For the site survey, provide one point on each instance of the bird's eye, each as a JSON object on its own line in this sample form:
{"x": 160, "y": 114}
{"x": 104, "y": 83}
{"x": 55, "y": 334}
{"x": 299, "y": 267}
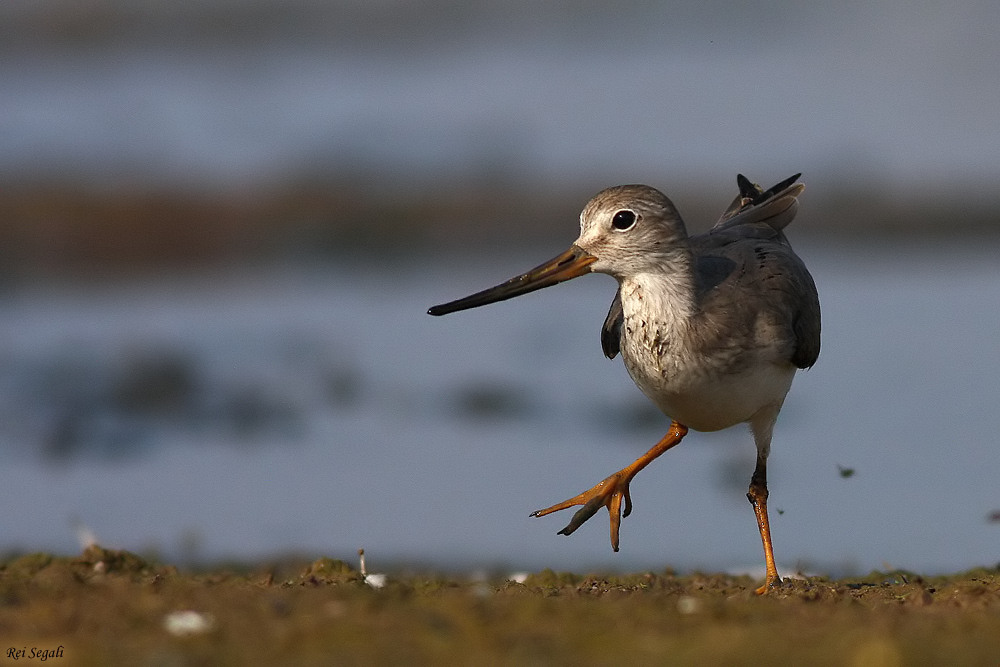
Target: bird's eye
{"x": 623, "y": 220}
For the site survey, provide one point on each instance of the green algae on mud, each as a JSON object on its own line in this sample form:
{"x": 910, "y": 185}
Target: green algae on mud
{"x": 113, "y": 607}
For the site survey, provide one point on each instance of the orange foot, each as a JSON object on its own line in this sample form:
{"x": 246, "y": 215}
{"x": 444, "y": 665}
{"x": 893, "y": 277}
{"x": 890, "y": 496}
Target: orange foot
{"x": 770, "y": 584}
{"x": 610, "y": 493}
{"x": 614, "y": 490}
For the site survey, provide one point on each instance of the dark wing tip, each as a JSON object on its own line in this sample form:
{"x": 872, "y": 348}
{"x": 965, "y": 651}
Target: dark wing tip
{"x": 611, "y": 331}
{"x": 756, "y": 194}
{"x": 784, "y": 184}
{"x": 748, "y": 189}
{"x": 775, "y": 189}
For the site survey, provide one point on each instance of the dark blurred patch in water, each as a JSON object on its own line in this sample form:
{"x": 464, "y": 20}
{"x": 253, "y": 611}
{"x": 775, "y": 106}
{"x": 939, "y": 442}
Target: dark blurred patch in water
{"x": 344, "y": 387}
{"x": 157, "y": 384}
{"x": 487, "y": 401}
{"x": 83, "y": 404}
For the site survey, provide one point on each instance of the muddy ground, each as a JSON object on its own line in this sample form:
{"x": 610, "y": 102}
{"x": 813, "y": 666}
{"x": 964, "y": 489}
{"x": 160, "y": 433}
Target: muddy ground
{"x": 113, "y": 607}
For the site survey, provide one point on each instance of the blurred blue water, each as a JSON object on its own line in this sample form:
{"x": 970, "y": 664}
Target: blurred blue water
{"x": 318, "y": 410}
{"x": 217, "y": 94}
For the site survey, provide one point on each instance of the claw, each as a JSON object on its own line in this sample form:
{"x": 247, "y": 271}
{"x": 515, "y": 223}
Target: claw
{"x": 614, "y": 512}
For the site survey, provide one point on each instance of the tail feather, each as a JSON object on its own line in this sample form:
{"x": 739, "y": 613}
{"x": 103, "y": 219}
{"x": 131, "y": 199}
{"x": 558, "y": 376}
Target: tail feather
{"x": 775, "y": 206}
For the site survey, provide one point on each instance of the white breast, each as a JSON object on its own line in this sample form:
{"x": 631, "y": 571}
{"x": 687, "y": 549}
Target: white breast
{"x": 705, "y": 393}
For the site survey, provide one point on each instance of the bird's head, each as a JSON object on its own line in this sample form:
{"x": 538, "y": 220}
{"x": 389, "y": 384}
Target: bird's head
{"x": 624, "y": 230}
{"x": 630, "y": 229}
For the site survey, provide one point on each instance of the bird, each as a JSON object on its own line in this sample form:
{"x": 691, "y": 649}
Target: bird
{"x": 711, "y": 327}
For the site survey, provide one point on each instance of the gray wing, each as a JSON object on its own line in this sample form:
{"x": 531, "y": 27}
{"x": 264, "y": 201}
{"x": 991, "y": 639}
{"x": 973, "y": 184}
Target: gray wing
{"x": 611, "y": 331}
{"x": 746, "y": 261}
{"x": 751, "y": 280}
{"x": 807, "y": 330}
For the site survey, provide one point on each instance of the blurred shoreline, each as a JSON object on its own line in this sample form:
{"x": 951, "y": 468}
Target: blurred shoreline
{"x": 66, "y": 229}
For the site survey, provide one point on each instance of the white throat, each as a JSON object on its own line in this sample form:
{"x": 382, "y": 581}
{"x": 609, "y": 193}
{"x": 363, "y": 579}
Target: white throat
{"x": 664, "y": 297}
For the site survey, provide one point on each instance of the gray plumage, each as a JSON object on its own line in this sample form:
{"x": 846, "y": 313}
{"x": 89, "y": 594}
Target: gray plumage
{"x": 747, "y": 252}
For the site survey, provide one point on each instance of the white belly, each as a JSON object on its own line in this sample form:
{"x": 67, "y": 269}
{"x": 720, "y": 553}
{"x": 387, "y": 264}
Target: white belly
{"x": 708, "y": 402}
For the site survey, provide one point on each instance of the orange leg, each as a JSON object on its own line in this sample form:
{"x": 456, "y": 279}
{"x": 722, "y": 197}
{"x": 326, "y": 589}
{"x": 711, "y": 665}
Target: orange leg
{"x": 614, "y": 489}
{"x": 757, "y": 495}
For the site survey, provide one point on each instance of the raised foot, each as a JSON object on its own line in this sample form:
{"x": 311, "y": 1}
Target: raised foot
{"x": 610, "y": 493}
{"x": 613, "y": 491}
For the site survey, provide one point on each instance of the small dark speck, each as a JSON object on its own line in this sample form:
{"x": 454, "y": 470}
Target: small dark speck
{"x": 845, "y": 472}
{"x": 781, "y": 512}
{"x": 994, "y": 516}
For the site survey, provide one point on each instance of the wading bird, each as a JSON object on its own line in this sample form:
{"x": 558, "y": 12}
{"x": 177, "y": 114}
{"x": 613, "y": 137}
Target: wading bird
{"x": 711, "y": 327}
